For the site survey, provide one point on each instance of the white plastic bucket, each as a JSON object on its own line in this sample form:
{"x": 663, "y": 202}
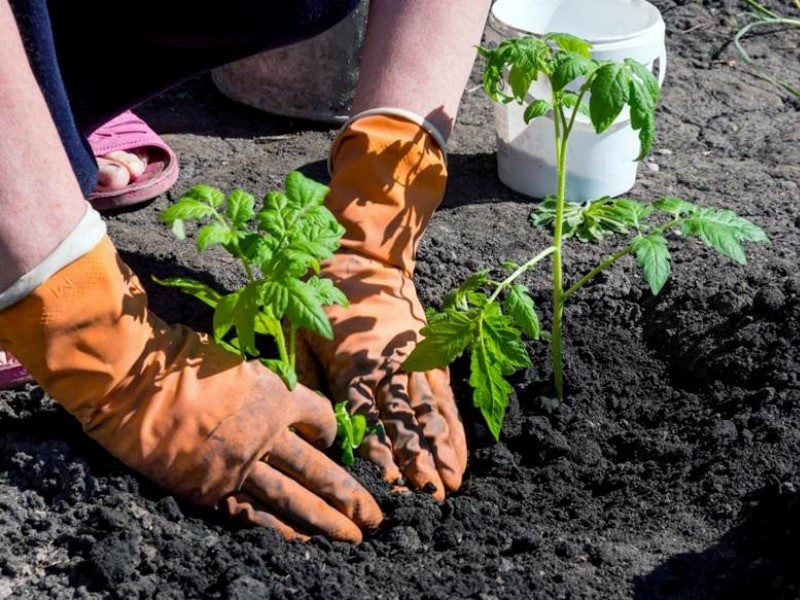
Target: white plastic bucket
{"x": 597, "y": 165}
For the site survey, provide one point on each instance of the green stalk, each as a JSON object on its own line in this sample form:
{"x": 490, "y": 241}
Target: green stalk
{"x": 292, "y": 345}
{"x": 556, "y": 346}
{"x": 520, "y": 270}
{"x": 614, "y": 258}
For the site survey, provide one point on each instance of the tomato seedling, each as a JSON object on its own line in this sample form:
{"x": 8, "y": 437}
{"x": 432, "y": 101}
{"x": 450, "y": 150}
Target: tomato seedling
{"x": 489, "y": 317}
{"x": 279, "y": 248}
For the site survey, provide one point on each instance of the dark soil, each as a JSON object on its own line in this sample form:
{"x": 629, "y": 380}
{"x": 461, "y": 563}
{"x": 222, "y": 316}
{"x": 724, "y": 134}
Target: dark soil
{"x": 673, "y": 471}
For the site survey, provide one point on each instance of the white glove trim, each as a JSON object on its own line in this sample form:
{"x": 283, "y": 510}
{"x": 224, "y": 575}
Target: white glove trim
{"x": 86, "y": 235}
{"x": 394, "y": 112}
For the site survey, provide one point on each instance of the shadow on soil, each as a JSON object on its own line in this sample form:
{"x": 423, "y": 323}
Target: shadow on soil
{"x": 756, "y": 559}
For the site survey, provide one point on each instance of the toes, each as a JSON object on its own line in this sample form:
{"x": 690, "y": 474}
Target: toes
{"x": 112, "y": 176}
{"x": 135, "y": 163}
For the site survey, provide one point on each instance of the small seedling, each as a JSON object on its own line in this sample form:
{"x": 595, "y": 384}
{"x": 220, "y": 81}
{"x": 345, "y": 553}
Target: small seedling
{"x": 761, "y": 16}
{"x": 489, "y": 316}
{"x": 279, "y": 248}
{"x": 351, "y": 431}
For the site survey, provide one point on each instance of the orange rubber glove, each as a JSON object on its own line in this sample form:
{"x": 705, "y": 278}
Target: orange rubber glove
{"x": 388, "y": 177}
{"x": 176, "y": 407}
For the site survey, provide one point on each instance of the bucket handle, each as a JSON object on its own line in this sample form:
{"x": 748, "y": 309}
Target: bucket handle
{"x": 662, "y": 67}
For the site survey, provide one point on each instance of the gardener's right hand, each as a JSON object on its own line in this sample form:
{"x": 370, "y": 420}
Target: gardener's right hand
{"x": 173, "y": 405}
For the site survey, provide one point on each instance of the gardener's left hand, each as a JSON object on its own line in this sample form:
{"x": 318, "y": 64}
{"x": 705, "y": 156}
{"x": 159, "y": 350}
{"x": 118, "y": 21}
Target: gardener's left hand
{"x": 388, "y": 177}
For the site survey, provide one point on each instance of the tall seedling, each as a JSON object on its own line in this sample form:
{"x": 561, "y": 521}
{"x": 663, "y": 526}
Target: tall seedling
{"x": 490, "y": 316}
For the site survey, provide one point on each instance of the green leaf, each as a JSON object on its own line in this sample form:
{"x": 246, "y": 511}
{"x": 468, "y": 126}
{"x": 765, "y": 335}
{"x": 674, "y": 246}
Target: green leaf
{"x": 520, "y": 306}
{"x": 186, "y": 208}
{"x": 240, "y": 207}
{"x": 223, "y": 315}
{"x": 257, "y": 248}
{"x": 211, "y": 234}
{"x": 610, "y": 90}
{"x": 504, "y": 340}
{"x": 723, "y": 230}
{"x": 538, "y": 108}
{"x": 675, "y": 206}
{"x": 350, "y": 431}
{"x": 642, "y": 116}
{"x": 327, "y": 292}
{"x": 304, "y": 192}
{"x": 520, "y": 78}
{"x": 178, "y": 229}
{"x": 304, "y": 310}
{"x": 567, "y": 68}
{"x": 652, "y": 254}
{"x": 570, "y": 99}
{"x": 492, "y": 391}
{"x": 445, "y": 339}
{"x": 284, "y": 371}
{"x": 457, "y": 298}
{"x": 571, "y": 43}
{"x": 359, "y": 429}
{"x": 639, "y": 71}
{"x": 275, "y": 296}
{"x": 201, "y": 291}
{"x": 206, "y": 194}
{"x": 244, "y": 317}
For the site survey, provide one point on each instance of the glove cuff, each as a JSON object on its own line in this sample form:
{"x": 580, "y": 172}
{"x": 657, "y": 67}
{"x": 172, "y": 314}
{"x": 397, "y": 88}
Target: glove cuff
{"x": 86, "y": 235}
{"x": 388, "y": 175}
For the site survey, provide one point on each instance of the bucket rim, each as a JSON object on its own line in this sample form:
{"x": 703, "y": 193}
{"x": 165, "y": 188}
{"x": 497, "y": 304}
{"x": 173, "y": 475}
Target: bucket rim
{"x": 508, "y": 30}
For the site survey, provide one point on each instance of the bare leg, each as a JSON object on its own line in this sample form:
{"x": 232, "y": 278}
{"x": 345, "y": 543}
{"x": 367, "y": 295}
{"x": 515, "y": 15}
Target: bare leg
{"x": 418, "y": 56}
{"x": 37, "y": 212}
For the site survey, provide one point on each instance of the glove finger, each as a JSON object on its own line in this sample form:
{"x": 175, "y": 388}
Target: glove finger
{"x": 326, "y": 479}
{"x": 439, "y": 382}
{"x": 290, "y": 500}
{"x": 376, "y": 447}
{"x": 312, "y": 417}
{"x": 408, "y": 440}
{"x": 436, "y": 430}
{"x": 244, "y": 509}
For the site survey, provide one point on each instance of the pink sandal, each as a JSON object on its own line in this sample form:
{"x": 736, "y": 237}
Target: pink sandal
{"x": 125, "y": 132}
{"x": 12, "y": 374}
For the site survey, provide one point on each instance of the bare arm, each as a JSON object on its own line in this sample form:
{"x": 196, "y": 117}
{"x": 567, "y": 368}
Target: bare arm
{"x": 40, "y": 200}
{"x": 418, "y": 56}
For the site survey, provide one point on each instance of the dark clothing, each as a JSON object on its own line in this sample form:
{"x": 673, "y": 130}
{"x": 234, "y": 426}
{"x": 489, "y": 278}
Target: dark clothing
{"x": 94, "y": 60}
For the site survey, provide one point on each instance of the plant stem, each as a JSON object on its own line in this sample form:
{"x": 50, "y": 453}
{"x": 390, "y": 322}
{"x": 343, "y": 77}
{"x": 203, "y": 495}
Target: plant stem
{"x": 522, "y": 269}
{"x": 615, "y": 257}
{"x": 292, "y": 345}
{"x": 558, "y": 238}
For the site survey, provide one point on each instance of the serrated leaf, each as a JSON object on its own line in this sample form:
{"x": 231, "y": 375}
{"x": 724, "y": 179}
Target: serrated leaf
{"x": 275, "y": 295}
{"x": 538, "y": 108}
{"x": 610, "y": 90}
{"x": 504, "y": 340}
{"x": 445, "y": 339}
{"x": 723, "y": 230}
{"x": 455, "y": 298}
{"x": 284, "y": 371}
{"x": 642, "y": 116}
{"x": 244, "y": 317}
{"x": 302, "y": 191}
{"x": 207, "y": 195}
{"x": 186, "y": 208}
{"x": 567, "y": 68}
{"x": 240, "y": 207}
{"x": 571, "y": 43}
{"x": 520, "y": 306}
{"x": 304, "y": 310}
{"x": 652, "y": 254}
{"x": 211, "y": 234}
{"x": 327, "y": 292}
{"x": 201, "y": 291}
{"x": 675, "y": 206}
{"x": 257, "y": 248}
{"x": 491, "y": 390}
{"x": 520, "y": 78}
{"x": 639, "y": 71}
{"x": 223, "y": 320}
{"x": 271, "y": 220}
